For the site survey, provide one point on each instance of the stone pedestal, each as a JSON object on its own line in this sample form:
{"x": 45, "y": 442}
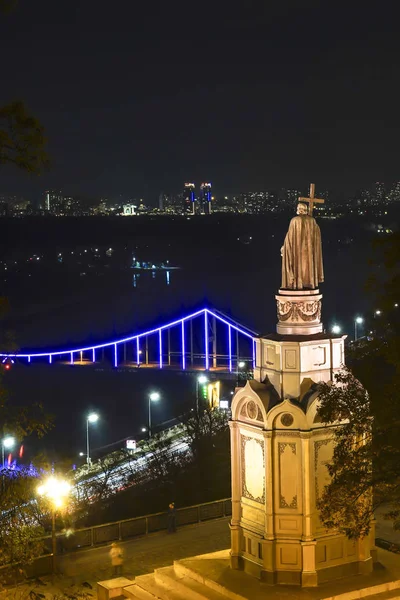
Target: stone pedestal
{"x": 299, "y": 312}
{"x": 279, "y": 450}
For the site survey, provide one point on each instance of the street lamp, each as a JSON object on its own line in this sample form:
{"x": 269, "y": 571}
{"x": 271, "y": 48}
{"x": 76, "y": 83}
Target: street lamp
{"x": 153, "y": 397}
{"x": 91, "y": 418}
{"x": 201, "y": 379}
{"x": 378, "y": 313}
{"x": 357, "y": 321}
{"x": 336, "y": 329}
{"x": 7, "y": 443}
{"x": 56, "y": 491}
{"x": 240, "y": 365}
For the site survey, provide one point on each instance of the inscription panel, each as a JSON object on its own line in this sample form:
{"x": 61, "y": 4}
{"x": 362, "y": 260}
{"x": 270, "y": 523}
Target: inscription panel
{"x": 323, "y": 450}
{"x": 253, "y": 469}
{"x": 288, "y": 492}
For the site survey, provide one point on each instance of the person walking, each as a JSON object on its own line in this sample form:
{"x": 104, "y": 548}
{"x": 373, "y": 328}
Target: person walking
{"x": 171, "y": 518}
{"x": 117, "y": 559}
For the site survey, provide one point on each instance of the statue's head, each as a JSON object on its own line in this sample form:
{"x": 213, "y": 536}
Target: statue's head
{"x": 302, "y": 208}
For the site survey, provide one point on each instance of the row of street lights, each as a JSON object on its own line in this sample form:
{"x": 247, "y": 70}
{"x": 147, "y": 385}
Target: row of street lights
{"x": 357, "y": 321}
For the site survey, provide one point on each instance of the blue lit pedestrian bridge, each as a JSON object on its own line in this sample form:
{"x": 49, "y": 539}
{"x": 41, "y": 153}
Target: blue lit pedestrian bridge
{"x": 205, "y": 340}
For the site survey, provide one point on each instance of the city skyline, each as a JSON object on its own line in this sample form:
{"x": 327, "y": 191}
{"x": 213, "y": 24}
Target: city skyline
{"x": 270, "y": 97}
{"x": 196, "y": 199}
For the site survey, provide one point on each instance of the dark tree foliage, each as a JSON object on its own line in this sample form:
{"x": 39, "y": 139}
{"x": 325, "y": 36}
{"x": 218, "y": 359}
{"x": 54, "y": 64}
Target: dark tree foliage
{"x": 7, "y": 5}
{"x": 208, "y": 436}
{"x": 22, "y": 141}
{"x": 20, "y": 527}
{"x": 345, "y": 503}
{"x": 366, "y": 464}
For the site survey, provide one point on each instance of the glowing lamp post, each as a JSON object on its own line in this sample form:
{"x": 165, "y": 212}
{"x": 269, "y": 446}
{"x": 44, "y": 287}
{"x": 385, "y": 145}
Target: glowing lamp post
{"x": 6, "y": 444}
{"x": 56, "y": 492}
{"x": 92, "y": 418}
{"x": 336, "y": 329}
{"x": 240, "y": 366}
{"x": 357, "y": 321}
{"x": 153, "y": 397}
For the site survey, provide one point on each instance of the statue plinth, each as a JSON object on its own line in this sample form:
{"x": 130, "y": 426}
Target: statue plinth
{"x": 299, "y": 312}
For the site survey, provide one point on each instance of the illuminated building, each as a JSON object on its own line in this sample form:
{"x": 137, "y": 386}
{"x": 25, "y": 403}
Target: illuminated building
{"x": 189, "y": 199}
{"x": 129, "y": 210}
{"x": 380, "y": 192}
{"x": 54, "y": 201}
{"x": 205, "y": 198}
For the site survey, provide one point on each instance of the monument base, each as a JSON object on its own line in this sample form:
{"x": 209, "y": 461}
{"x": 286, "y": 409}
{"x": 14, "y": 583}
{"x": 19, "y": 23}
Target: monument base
{"x": 211, "y": 575}
{"x": 299, "y": 312}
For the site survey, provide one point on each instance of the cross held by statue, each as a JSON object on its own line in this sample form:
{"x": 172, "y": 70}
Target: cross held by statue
{"x": 312, "y": 200}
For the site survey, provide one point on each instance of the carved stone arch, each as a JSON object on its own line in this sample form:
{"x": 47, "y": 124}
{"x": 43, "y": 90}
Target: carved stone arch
{"x": 248, "y": 404}
{"x": 287, "y": 415}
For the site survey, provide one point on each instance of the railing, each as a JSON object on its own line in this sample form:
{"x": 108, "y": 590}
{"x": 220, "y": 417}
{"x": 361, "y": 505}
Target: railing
{"x": 119, "y": 530}
{"x": 138, "y": 526}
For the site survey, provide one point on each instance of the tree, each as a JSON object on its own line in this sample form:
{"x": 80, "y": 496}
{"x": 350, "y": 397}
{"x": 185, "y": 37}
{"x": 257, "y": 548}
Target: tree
{"x": 365, "y": 469}
{"x": 22, "y": 141}
{"x": 346, "y": 503}
{"x": 20, "y": 516}
{"x": 207, "y": 432}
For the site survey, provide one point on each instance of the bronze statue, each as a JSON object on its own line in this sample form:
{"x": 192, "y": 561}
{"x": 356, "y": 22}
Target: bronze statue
{"x": 302, "y": 267}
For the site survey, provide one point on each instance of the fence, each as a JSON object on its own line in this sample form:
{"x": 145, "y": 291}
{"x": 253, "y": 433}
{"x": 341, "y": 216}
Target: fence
{"x": 119, "y": 530}
{"x": 131, "y": 528}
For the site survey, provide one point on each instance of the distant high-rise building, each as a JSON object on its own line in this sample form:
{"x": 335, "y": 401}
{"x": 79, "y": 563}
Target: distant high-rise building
{"x": 53, "y": 201}
{"x": 189, "y": 198}
{"x": 205, "y": 198}
{"x": 254, "y": 202}
{"x": 162, "y": 202}
{"x": 394, "y": 194}
{"x": 380, "y": 192}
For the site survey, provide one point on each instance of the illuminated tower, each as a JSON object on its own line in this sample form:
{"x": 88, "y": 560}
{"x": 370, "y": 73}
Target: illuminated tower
{"x": 205, "y": 195}
{"x": 189, "y": 198}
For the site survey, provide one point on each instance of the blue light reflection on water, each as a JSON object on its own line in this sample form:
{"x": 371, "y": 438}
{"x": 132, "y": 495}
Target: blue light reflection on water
{"x": 156, "y": 274}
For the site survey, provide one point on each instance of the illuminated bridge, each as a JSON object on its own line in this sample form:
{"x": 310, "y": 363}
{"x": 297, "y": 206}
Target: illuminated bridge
{"x": 203, "y": 340}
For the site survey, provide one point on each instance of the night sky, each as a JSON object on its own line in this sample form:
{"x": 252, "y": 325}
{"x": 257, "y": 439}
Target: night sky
{"x": 138, "y": 97}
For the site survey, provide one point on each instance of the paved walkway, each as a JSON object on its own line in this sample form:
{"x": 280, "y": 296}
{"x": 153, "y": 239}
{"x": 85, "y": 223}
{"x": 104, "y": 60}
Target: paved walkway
{"x": 143, "y": 555}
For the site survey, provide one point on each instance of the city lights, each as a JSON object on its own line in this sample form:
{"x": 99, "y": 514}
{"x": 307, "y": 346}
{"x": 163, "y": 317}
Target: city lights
{"x": 336, "y": 329}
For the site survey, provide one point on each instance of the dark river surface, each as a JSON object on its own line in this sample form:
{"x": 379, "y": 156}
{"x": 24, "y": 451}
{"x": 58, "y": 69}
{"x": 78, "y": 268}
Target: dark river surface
{"x": 230, "y": 263}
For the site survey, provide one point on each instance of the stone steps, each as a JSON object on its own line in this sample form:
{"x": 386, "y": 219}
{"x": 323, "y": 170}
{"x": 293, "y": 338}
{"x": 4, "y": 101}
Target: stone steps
{"x": 184, "y": 571}
{"x": 188, "y": 587}
{"x": 392, "y": 595}
{"x": 193, "y": 581}
{"x": 147, "y": 588}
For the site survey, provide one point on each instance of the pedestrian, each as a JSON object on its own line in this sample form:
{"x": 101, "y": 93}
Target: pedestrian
{"x": 117, "y": 558}
{"x": 171, "y": 518}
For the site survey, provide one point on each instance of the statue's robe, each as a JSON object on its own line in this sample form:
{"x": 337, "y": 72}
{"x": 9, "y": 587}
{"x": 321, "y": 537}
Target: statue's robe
{"x": 302, "y": 266}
